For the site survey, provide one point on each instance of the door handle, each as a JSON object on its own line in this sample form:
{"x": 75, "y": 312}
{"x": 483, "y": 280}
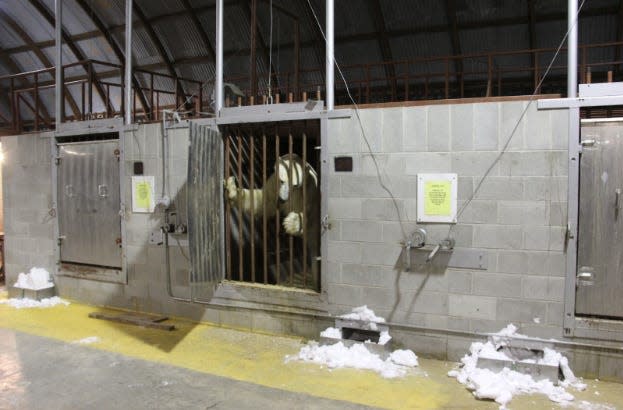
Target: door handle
{"x": 617, "y": 202}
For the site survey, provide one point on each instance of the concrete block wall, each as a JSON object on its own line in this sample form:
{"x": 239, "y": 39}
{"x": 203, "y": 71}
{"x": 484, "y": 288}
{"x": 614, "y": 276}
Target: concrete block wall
{"x": 27, "y": 201}
{"x": 516, "y": 216}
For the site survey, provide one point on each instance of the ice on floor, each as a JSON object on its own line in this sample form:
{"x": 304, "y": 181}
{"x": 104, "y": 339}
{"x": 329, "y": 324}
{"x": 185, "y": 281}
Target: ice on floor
{"x": 502, "y": 386}
{"x": 31, "y": 303}
{"x": 357, "y": 356}
{"x": 36, "y": 279}
{"x": 87, "y": 340}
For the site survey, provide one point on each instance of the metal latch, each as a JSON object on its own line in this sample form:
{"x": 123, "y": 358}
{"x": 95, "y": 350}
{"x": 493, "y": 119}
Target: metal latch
{"x": 588, "y": 142}
{"x": 585, "y": 277}
{"x": 102, "y": 190}
{"x": 325, "y": 224}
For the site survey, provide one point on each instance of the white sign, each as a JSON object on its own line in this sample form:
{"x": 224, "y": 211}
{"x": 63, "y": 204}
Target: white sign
{"x": 437, "y": 198}
{"x": 143, "y": 194}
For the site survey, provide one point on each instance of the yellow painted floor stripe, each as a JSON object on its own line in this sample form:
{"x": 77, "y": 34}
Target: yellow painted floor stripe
{"x": 251, "y": 357}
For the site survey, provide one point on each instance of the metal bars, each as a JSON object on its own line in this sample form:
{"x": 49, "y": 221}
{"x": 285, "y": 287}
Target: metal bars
{"x": 272, "y": 212}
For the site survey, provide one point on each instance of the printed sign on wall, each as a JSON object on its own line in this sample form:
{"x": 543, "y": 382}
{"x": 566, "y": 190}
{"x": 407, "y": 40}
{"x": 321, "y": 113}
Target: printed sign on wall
{"x": 437, "y": 198}
{"x": 143, "y": 194}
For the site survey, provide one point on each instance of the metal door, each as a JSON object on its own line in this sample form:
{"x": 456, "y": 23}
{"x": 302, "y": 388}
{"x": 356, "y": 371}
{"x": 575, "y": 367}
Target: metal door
{"x": 88, "y": 203}
{"x": 599, "y": 290}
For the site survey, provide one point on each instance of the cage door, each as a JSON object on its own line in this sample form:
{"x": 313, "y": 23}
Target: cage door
{"x": 205, "y": 215}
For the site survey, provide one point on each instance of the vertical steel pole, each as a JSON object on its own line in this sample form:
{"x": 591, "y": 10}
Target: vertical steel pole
{"x": 572, "y": 50}
{"x": 218, "y": 92}
{"x": 128, "y": 62}
{"x": 58, "y": 53}
{"x": 330, "y": 76}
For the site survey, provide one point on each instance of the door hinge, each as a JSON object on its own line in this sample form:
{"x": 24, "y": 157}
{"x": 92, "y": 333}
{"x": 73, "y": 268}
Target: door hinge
{"x": 57, "y": 160}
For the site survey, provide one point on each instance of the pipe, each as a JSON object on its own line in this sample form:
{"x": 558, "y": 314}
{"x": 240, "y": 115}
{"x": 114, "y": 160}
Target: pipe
{"x": 218, "y": 92}
{"x": 572, "y": 49}
{"x": 58, "y": 53}
{"x": 128, "y": 62}
{"x": 330, "y": 75}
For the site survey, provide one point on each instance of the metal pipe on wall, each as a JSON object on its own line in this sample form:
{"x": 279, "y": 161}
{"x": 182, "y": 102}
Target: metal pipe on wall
{"x": 128, "y": 62}
{"x": 58, "y": 53}
{"x": 330, "y": 76}
{"x": 572, "y": 49}
{"x": 218, "y": 92}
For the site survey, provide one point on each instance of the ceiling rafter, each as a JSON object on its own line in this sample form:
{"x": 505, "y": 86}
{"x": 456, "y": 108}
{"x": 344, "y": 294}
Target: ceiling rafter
{"x": 153, "y": 36}
{"x": 319, "y": 41}
{"x": 50, "y": 18}
{"x": 453, "y": 31}
{"x": 617, "y": 52}
{"x": 199, "y": 27}
{"x": 103, "y": 30}
{"x": 376, "y": 12}
{"x": 43, "y": 59}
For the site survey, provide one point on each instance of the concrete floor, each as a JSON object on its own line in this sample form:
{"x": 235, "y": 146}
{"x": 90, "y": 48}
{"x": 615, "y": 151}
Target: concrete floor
{"x": 199, "y": 366}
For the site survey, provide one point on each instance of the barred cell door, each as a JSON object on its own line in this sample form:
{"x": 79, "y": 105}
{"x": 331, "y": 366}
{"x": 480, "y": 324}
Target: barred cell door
{"x": 600, "y": 234}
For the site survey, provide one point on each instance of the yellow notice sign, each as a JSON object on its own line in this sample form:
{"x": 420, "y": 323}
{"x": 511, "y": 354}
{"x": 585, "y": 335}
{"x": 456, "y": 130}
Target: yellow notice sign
{"x": 143, "y": 194}
{"x": 438, "y": 198}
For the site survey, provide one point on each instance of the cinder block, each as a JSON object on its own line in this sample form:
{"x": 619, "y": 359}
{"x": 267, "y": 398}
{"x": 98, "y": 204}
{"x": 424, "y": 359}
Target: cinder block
{"x": 497, "y": 284}
{"x": 415, "y": 129}
{"x": 520, "y": 310}
{"x": 362, "y": 231}
{"x": 136, "y": 255}
{"x": 459, "y": 281}
{"x": 499, "y": 188}
{"x": 479, "y": 212}
{"x": 345, "y": 208}
{"x": 463, "y": 235}
{"x": 439, "y": 128}
{"x": 509, "y": 120}
{"x": 377, "y": 298}
{"x": 393, "y": 129}
{"x": 380, "y": 253}
{"x": 555, "y": 314}
{"x": 428, "y": 162}
{"x": 381, "y": 209}
{"x": 334, "y": 186}
{"x": 462, "y": 127}
{"x": 389, "y": 164}
{"x": 458, "y": 347}
{"x": 393, "y": 231}
{"x": 339, "y": 294}
{"x": 537, "y": 238}
{"x": 362, "y": 187}
{"x": 372, "y": 121}
{"x": 486, "y": 126}
{"x": 478, "y": 307}
{"x": 367, "y": 275}
{"x": 473, "y": 163}
{"x": 465, "y": 188}
{"x": 497, "y": 237}
{"x": 557, "y": 213}
{"x": 344, "y": 252}
{"x": 343, "y": 136}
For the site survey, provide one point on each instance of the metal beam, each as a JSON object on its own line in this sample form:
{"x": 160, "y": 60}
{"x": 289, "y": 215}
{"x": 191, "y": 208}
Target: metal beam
{"x": 127, "y": 88}
{"x": 151, "y": 33}
{"x": 218, "y": 85}
{"x": 572, "y": 49}
{"x": 49, "y": 17}
{"x": 376, "y": 12}
{"x": 59, "y": 111}
{"x": 330, "y": 58}
{"x": 107, "y": 34}
{"x": 43, "y": 59}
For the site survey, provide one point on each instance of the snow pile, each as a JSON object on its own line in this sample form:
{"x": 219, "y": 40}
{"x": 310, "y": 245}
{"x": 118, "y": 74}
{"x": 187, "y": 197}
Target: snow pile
{"x": 364, "y": 314}
{"x": 36, "y": 279}
{"x": 357, "y": 356}
{"x": 30, "y": 303}
{"x": 87, "y": 340}
{"x": 502, "y": 386}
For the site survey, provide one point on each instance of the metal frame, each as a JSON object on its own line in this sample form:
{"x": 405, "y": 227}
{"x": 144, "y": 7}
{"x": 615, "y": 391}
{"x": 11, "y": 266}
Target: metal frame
{"x": 579, "y": 326}
{"x": 86, "y": 128}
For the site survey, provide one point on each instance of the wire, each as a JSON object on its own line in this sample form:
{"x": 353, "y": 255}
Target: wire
{"x": 363, "y": 133}
{"x": 523, "y": 114}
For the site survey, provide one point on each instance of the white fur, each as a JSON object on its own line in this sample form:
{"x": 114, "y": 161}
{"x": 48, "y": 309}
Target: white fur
{"x": 293, "y": 223}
